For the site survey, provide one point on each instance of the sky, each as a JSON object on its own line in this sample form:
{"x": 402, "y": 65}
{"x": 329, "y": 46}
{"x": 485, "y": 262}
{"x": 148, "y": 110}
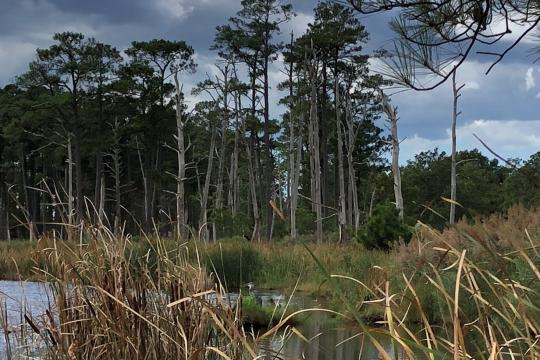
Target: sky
{"x": 501, "y": 108}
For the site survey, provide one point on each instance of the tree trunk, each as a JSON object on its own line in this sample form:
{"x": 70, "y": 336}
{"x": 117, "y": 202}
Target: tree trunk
{"x": 353, "y": 191}
{"x": 180, "y": 211}
{"x": 70, "y": 214}
{"x": 391, "y": 113}
{"x": 98, "y": 187}
{"x": 234, "y": 186}
{"x": 27, "y": 208}
{"x": 315, "y": 147}
{"x": 79, "y": 201}
{"x": 323, "y": 141}
{"x": 117, "y": 192}
{"x": 453, "y": 176}
{"x": 253, "y": 162}
{"x": 269, "y": 163}
{"x": 148, "y": 183}
{"x": 223, "y": 147}
{"x": 146, "y": 195}
{"x": 296, "y": 176}
{"x": 341, "y": 172}
{"x": 203, "y": 220}
{"x": 294, "y": 171}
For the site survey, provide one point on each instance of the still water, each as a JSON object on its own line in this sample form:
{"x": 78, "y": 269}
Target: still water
{"x": 329, "y": 339}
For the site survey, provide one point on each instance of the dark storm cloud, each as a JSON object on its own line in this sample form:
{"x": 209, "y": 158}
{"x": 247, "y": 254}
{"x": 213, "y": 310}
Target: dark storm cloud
{"x": 508, "y": 93}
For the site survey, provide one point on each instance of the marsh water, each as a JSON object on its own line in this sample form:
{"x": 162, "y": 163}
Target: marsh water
{"x": 329, "y": 339}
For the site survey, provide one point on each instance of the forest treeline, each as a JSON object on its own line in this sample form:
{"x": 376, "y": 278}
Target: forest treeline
{"x": 90, "y": 134}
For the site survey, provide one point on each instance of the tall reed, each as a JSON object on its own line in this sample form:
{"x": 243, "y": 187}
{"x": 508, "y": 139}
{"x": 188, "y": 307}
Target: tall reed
{"x": 114, "y": 304}
{"x": 470, "y": 292}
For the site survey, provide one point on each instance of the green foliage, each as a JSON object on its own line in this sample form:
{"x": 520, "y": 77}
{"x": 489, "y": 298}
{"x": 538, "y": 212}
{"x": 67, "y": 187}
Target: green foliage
{"x": 523, "y": 184}
{"x": 234, "y": 262}
{"x": 305, "y": 221}
{"x": 262, "y": 316}
{"x": 383, "y": 229}
{"x": 280, "y": 228}
{"x": 231, "y": 225}
{"x": 426, "y": 180}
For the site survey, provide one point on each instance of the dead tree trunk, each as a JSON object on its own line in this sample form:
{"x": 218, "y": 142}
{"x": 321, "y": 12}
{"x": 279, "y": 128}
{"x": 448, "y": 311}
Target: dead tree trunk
{"x": 98, "y": 186}
{"x": 203, "y": 220}
{"x": 223, "y": 145}
{"x": 70, "y": 214}
{"x": 453, "y": 176}
{"x": 342, "y": 221}
{"x": 312, "y": 65}
{"x": 351, "y": 141}
{"x": 295, "y": 154}
{"x": 295, "y": 180}
{"x": 234, "y": 184}
{"x": 391, "y": 113}
{"x": 180, "y": 149}
{"x": 117, "y": 191}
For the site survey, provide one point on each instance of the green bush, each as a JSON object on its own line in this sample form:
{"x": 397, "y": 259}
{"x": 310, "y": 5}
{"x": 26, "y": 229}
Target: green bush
{"x": 281, "y": 228}
{"x": 383, "y": 229}
{"x": 234, "y": 262}
{"x": 229, "y": 225}
{"x": 305, "y": 221}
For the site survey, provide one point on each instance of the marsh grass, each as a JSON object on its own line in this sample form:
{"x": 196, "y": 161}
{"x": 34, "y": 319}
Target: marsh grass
{"x": 111, "y": 302}
{"x": 468, "y": 292}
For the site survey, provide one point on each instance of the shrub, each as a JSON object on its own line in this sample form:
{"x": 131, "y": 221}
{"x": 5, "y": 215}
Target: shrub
{"x": 229, "y": 224}
{"x": 234, "y": 262}
{"x": 305, "y": 221}
{"x": 383, "y": 229}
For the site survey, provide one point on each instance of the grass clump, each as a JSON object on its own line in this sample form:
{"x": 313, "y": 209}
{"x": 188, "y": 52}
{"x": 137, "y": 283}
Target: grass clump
{"x": 234, "y": 262}
{"x": 258, "y": 316}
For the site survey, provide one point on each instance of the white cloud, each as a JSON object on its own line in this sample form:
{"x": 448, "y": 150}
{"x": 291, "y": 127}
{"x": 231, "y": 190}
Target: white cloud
{"x": 298, "y": 24}
{"x": 529, "y": 79}
{"x": 516, "y": 31}
{"x": 11, "y": 54}
{"x": 509, "y": 138}
{"x": 177, "y": 9}
{"x": 471, "y": 85}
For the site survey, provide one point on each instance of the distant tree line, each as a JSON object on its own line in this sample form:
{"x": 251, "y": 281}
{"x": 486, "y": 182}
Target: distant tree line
{"x": 93, "y": 136}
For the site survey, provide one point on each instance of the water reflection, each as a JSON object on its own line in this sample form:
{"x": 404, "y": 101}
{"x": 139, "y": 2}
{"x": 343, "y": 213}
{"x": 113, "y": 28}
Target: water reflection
{"x": 31, "y": 298}
{"x": 18, "y": 299}
{"x": 327, "y": 339}
{"x": 324, "y": 338}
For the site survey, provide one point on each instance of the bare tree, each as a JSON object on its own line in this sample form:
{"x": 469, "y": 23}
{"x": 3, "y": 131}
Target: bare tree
{"x": 69, "y": 180}
{"x": 312, "y": 65}
{"x": 453, "y": 176}
{"x": 342, "y": 221}
{"x": 295, "y": 176}
{"x": 295, "y": 146}
{"x": 203, "y": 219}
{"x": 116, "y": 170}
{"x": 354, "y": 212}
{"x": 391, "y": 113}
{"x": 181, "y": 159}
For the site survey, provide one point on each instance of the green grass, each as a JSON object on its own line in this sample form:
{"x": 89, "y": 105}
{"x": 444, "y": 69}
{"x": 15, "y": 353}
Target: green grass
{"x": 17, "y": 259}
{"x": 233, "y": 261}
{"x": 260, "y": 317}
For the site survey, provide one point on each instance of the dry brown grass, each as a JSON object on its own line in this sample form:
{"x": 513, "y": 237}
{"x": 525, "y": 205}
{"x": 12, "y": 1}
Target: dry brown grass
{"x": 469, "y": 292}
{"x": 481, "y": 237}
{"x": 113, "y": 304}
